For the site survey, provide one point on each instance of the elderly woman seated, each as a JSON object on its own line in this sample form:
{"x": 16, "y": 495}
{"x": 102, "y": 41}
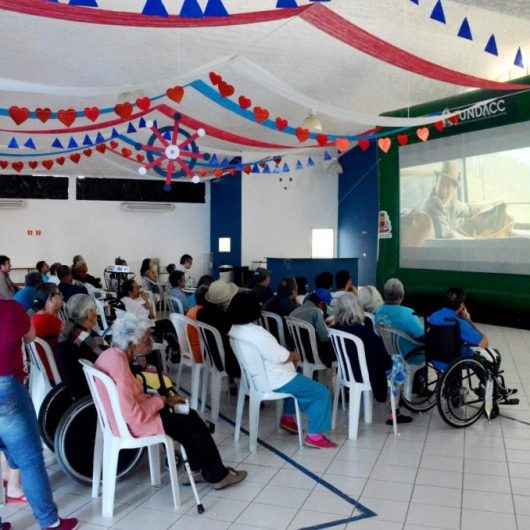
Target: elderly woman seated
{"x": 152, "y": 415}
{"x": 350, "y": 317}
{"x": 370, "y": 299}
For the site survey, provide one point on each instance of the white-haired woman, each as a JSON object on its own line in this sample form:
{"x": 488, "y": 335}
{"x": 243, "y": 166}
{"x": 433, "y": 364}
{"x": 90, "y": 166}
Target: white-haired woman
{"x": 370, "y": 299}
{"x": 152, "y": 415}
{"x": 350, "y": 317}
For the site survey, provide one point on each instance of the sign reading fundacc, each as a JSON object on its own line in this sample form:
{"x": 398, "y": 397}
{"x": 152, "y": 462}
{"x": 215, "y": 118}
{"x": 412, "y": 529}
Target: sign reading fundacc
{"x": 489, "y": 109}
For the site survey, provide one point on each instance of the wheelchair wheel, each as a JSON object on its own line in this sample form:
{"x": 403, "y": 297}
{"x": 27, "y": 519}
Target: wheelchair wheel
{"x": 424, "y": 390}
{"x": 75, "y": 440}
{"x": 53, "y": 408}
{"x": 461, "y": 393}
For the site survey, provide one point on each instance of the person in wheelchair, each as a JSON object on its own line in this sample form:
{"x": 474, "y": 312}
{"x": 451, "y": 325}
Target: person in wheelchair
{"x": 150, "y": 415}
{"x": 455, "y": 313}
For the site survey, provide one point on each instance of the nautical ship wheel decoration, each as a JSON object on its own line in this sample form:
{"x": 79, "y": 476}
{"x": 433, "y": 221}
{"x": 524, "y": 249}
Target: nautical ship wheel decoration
{"x": 172, "y": 152}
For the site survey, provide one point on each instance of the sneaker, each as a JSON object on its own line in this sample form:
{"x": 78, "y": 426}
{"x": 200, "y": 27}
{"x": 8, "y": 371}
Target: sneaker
{"x": 65, "y": 524}
{"x": 197, "y": 478}
{"x": 400, "y": 418}
{"x": 287, "y": 423}
{"x": 319, "y": 442}
{"x": 233, "y": 477}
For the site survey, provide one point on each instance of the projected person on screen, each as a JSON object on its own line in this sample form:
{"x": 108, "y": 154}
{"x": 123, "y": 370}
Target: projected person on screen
{"x": 454, "y": 219}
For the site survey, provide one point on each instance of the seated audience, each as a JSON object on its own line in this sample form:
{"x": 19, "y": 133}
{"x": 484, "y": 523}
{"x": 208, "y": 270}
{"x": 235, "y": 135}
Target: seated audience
{"x": 170, "y": 268}
{"x": 206, "y": 280}
{"x": 31, "y": 292}
{"x": 284, "y": 302}
{"x": 48, "y": 326}
{"x": 153, "y": 415}
{"x": 139, "y": 304}
{"x": 323, "y": 285}
{"x": 370, "y": 299}
{"x": 312, "y": 311}
{"x": 78, "y": 341}
{"x": 177, "y": 282}
{"x": 280, "y": 365}
{"x": 80, "y": 273}
{"x": 149, "y": 276}
{"x": 43, "y": 268}
{"x": 394, "y": 315}
{"x": 19, "y": 432}
{"x": 260, "y": 282}
{"x": 66, "y": 285}
{"x": 343, "y": 285}
{"x": 7, "y": 287}
{"x": 455, "y": 313}
{"x": 350, "y": 317}
{"x": 52, "y": 276}
{"x": 214, "y": 313}
{"x": 193, "y": 336}
{"x": 302, "y": 289}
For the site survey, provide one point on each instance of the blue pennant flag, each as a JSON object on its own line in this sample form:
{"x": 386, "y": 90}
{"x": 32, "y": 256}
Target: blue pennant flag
{"x": 214, "y": 161}
{"x": 72, "y": 144}
{"x": 438, "y": 12}
{"x": 99, "y": 138}
{"x": 465, "y": 30}
{"x": 87, "y": 141}
{"x": 130, "y": 128}
{"x": 255, "y": 168}
{"x": 154, "y": 8}
{"x": 519, "y": 59}
{"x": 417, "y": 2}
{"x": 266, "y": 169}
{"x": 310, "y": 162}
{"x": 238, "y": 167}
{"x": 215, "y": 8}
{"x": 225, "y": 163}
{"x": 57, "y": 143}
{"x": 85, "y": 3}
{"x": 191, "y": 9}
{"x": 285, "y": 168}
{"x": 13, "y": 144}
{"x": 114, "y": 133}
{"x": 141, "y": 124}
{"x": 30, "y": 144}
{"x": 491, "y": 46}
{"x": 299, "y": 165}
{"x": 167, "y": 135}
{"x": 155, "y": 124}
{"x": 286, "y": 3}
{"x": 327, "y": 156}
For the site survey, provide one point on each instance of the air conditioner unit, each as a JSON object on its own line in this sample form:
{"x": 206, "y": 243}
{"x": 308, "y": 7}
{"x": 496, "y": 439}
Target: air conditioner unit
{"x": 12, "y": 204}
{"x": 147, "y": 206}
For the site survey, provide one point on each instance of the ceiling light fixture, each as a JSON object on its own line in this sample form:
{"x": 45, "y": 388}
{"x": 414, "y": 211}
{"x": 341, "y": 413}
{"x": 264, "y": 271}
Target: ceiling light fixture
{"x": 312, "y": 123}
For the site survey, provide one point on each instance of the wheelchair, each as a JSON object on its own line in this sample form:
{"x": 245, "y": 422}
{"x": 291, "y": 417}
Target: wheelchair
{"x": 463, "y": 387}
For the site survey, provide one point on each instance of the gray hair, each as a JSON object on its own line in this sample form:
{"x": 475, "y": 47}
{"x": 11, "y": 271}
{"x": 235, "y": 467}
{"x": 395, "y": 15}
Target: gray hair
{"x": 348, "y": 310}
{"x": 128, "y": 330}
{"x": 370, "y": 298}
{"x": 393, "y": 291}
{"x": 78, "y": 307}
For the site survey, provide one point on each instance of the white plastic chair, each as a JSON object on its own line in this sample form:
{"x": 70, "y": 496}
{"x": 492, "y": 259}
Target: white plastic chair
{"x": 102, "y": 318}
{"x": 358, "y": 389}
{"x": 40, "y": 382}
{"x": 181, "y": 323}
{"x": 273, "y": 323}
{"x": 109, "y": 444}
{"x": 393, "y": 339}
{"x": 211, "y": 341}
{"x": 255, "y": 383}
{"x": 298, "y": 328}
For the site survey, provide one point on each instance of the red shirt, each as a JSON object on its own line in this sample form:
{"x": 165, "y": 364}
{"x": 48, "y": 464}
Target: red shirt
{"x": 14, "y": 324}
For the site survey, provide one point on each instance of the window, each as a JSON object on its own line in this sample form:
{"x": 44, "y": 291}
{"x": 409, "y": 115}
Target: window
{"x": 225, "y": 244}
{"x": 323, "y": 243}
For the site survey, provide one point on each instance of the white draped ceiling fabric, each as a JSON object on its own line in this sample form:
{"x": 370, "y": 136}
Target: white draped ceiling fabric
{"x": 347, "y": 61}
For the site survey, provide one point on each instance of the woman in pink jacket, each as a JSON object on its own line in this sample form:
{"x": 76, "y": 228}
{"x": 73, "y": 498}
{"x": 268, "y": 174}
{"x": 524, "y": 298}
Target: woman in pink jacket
{"x": 151, "y": 415}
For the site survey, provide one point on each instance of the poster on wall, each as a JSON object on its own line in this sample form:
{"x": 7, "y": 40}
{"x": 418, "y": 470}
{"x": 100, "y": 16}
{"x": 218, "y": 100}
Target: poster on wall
{"x": 385, "y": 225}
{"x": 467, "y": 214}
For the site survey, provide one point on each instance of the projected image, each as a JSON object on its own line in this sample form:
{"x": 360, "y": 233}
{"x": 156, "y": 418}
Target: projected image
{"x": 470, "y": 214}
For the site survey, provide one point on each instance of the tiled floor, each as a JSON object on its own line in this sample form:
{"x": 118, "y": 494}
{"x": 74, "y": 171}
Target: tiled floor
{"x": 432, "y": 477}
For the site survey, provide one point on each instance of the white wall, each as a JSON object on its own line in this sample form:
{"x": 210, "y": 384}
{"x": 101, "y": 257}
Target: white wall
{"x": 101, "y": 230}
{"x": 277, "y": 222}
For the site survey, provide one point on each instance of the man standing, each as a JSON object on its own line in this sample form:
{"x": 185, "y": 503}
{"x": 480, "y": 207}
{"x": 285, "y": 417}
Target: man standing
{"x": 7, "y": 287}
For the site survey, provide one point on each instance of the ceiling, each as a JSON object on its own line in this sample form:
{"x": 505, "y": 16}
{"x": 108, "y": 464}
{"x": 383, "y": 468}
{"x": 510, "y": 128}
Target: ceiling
{"x": 394, "y": 56}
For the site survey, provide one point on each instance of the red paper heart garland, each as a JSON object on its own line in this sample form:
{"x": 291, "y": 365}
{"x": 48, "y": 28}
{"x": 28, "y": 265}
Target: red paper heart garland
{"x": 244, "y": 102}
{"x": 19, "y": 114}
{"x": 175, "y": 94}
{"x": 92, "y": 113}
{"x": 260, "y": 114}
{"x": 124, "y": 110}
{"x": 66, "y": 117}
{"x": 43, "y": 114}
